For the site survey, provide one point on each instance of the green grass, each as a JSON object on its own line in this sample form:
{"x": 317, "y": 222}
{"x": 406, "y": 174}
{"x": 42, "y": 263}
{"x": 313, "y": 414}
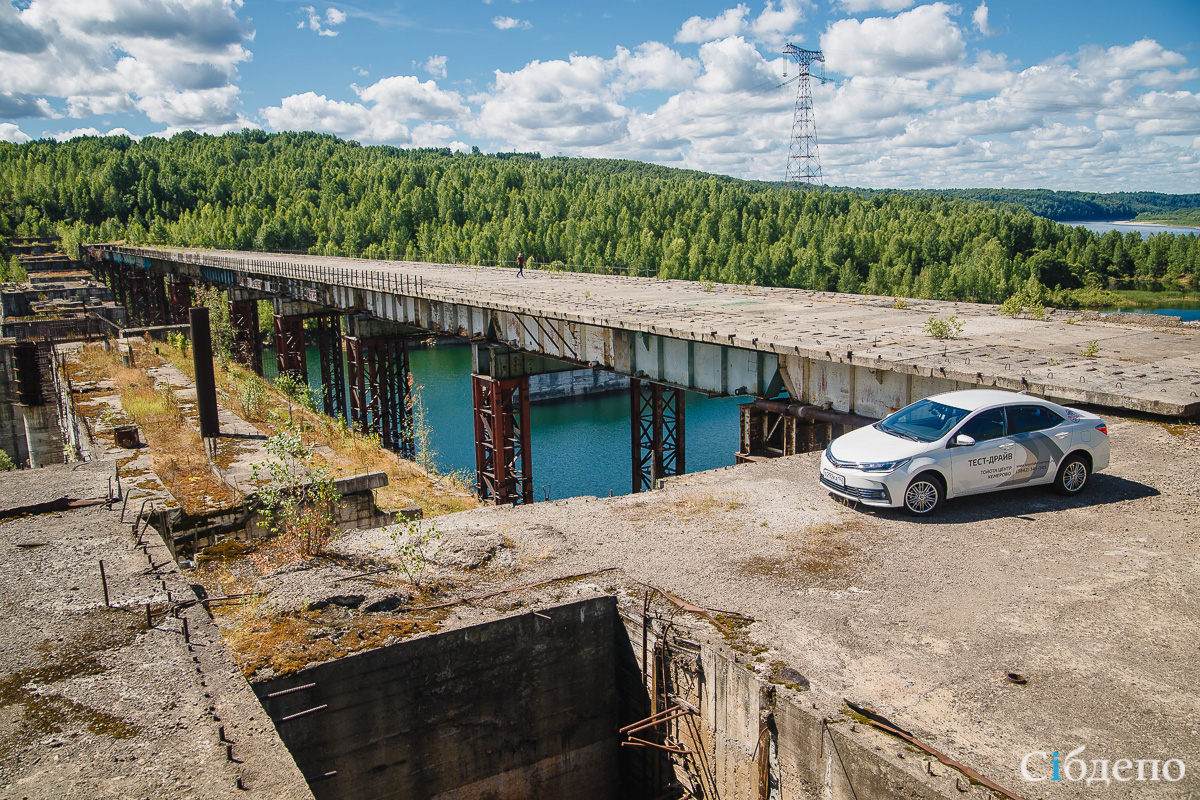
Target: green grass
{"x": 1143, "y": 297}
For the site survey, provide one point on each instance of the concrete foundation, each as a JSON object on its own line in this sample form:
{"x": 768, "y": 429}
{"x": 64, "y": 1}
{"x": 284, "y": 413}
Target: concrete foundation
{"x": 518, "y": 708}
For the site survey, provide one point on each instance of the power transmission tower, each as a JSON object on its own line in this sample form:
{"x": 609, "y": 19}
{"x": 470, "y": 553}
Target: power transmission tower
{"x": 804, "y": 162}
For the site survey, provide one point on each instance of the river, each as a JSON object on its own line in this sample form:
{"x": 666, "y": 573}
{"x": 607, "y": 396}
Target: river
{"x": 1129, "y": 226}
{"x": 580, "y": 446}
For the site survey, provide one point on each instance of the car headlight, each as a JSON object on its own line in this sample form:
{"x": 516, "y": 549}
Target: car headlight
{"x": 882, "y": 466}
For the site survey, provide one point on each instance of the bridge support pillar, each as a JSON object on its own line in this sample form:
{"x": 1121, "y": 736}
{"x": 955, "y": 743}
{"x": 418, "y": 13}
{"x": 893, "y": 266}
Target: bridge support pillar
{"x": 380, "y": 383}
{"x": 502, "y": 439}
{"x": 140, "y": 304}
{"x": 243, "y": 318}
{"x": 179, "y": 300}
{"x": 657, "y": 416}
{"x": 289, "y": 345}
{"x": 333, "y": 377}
{"x": 160, "y": 308}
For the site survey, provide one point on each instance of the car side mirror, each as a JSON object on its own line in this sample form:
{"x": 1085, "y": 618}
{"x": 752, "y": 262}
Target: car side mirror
{"x": 962, "y": 440}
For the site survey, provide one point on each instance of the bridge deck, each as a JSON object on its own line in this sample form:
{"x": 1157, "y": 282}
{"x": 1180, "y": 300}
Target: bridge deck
{"x": 1138, "y": 367}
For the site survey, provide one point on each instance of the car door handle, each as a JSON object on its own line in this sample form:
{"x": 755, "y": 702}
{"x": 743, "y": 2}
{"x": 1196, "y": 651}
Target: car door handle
{"x": 1006, "y": 446}
{"x": 1062, "y": 435}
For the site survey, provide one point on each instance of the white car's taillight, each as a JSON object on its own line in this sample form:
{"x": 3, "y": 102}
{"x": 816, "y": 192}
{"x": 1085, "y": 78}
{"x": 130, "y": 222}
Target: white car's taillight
{"x": 1102, "y": 428}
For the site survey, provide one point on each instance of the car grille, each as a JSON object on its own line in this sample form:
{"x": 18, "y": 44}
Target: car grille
{"x": 854, "y": 491}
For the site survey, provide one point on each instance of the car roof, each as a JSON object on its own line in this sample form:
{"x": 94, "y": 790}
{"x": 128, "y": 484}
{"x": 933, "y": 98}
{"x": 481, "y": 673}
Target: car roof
{"x": 975, "y": 399}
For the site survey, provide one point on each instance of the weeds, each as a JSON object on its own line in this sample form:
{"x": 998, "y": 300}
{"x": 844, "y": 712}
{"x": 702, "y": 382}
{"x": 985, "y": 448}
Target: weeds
{"x": 298, "y": 502}
{"x": 950, "y": 328}
{"x": 417, "y": 544}
{"x": 1091, "y": 349}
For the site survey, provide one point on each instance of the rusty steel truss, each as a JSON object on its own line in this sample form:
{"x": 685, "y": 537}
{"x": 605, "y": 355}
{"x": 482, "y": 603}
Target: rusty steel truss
{"x": 243, "y": 318}
{"x": 381, "y": 390}
{"x": 333, "y": 376}
{"x": 289, "y": 346}
{"x": 657, "y": 417}
{"x": 502, "y": 439}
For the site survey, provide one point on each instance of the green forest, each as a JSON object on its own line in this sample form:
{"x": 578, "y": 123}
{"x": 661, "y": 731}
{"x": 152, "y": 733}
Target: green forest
{"x": 319, "y": 194}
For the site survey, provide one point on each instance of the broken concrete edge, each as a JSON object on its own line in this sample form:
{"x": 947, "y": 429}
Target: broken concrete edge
{"x": 827, "y": 750}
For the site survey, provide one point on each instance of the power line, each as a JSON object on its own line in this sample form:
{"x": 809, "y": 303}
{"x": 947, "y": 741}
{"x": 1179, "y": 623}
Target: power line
{"x": 804, "y": 159}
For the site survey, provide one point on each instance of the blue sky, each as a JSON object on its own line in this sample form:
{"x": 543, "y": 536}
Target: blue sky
{"x": 1095, "y": 96}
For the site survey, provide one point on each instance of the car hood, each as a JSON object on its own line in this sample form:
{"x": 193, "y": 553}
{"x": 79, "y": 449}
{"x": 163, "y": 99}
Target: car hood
{"x": 867, "y": 445}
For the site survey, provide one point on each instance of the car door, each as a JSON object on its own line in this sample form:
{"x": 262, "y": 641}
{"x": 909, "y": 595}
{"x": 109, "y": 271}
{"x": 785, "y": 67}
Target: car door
{"x": 989, "y": 463}
{"x": 1040, "y": 447}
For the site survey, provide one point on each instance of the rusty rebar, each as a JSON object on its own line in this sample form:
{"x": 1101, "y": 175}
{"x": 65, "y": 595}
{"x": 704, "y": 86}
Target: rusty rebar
{"x": 104, "y": 583}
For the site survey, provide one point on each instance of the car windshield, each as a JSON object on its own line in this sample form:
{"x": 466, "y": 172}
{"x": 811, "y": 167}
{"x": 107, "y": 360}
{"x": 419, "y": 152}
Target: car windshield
{"x": 923, "y": 421}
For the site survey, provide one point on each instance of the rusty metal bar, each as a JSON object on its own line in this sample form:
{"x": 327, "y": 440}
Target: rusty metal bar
{"x": 289, "y": 346}
{"x": 805, "y": 411}
{"x": 502, "y": 439}
{"x": 292, "y": 690}
{"x": 643, "y": 743}
{"x": 243, "y": 318}
{"x": 303, "y": 713}
{"x": 657, "y": 428}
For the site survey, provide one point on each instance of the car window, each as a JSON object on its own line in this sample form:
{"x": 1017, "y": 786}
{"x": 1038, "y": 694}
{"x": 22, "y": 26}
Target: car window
{"x": 924, "y": 421}
{"x": 1022, "y": 419}
{"x": 985, "y": 425}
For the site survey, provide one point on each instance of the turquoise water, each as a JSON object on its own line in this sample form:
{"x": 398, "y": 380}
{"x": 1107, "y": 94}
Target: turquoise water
{"x": 1186, "y": 310}
{"x": 1136, "y": 227}
{"x": 579, "y": 445}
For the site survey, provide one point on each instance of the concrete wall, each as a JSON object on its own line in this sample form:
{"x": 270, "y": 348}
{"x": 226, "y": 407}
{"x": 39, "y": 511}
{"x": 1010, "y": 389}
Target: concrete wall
{"x": 12, "y": 425}
{"x": 575, "y": 383}
{"x": 524, "y": 707}
{"x": 757, "y": 740}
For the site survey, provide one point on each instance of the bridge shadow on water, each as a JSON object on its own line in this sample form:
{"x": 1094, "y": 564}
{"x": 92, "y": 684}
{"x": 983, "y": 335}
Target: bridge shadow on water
{"x": 1102, "y": 490}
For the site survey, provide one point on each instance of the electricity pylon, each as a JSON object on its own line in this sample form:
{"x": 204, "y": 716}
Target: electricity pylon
{"x": 804, "y": 162}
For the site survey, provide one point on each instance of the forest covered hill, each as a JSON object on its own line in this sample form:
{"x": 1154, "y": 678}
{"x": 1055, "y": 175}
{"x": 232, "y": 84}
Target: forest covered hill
{"x": 316, "y": 193}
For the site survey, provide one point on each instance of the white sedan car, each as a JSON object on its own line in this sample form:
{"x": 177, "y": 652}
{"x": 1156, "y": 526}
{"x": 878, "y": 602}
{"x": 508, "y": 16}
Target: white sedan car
{"x": 961, "y": 443}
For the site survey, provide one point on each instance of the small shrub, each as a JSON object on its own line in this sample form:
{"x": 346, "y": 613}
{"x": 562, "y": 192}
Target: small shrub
{"x": 6, "y": 462}
{"x": 944, "y": 328}
{"x": 252, "y": 397}
{"x": 299, "y": 498}
{"x": 706, "y": 285}
{"x": 417, "y": 544}
{"x": 899, "y": 302}
{"x": 297, "y": 390}
{"x": 180, "y": 342}
{"x": 1090, "y": 349}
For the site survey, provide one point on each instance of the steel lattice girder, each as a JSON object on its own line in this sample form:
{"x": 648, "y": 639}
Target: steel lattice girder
{"x": 333, "y": 377}
{"x": 657, "y": 419}
{"x": 381, "y": 390}
{"x": 243, "y": 318}
{"x": 502, "y": 439}
{"x": 289, "y": 345}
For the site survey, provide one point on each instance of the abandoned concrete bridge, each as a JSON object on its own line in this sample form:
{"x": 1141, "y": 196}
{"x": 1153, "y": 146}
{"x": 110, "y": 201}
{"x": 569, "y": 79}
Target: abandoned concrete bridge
{"x": 842, "y": 359}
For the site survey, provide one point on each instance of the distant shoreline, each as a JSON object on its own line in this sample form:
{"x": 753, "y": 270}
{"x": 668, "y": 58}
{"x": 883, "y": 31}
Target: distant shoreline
{"x": 1083, "y": 222}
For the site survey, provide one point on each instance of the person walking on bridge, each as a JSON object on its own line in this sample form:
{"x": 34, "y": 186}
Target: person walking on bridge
{"x": 520, "y": 265}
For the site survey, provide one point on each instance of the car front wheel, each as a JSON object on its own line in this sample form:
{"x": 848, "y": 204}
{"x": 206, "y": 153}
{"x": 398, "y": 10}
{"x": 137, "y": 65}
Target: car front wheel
{"x": 1072, "y": 476}
{"x": 923, "y": 495}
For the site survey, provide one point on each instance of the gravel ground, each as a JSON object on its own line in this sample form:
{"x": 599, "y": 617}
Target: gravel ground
{"x": 1094, "y": 599}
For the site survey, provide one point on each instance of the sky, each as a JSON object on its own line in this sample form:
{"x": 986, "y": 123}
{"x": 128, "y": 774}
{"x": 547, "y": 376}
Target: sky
{"x": 1059, "y": 94}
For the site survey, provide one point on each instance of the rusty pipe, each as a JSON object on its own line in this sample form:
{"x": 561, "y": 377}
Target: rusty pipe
{"x": 805, "y": 411}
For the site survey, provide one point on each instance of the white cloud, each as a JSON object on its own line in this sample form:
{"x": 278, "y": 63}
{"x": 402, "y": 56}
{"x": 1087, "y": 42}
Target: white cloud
{"x": 176, "y": 60}
{"x": 772, "y": 25}
{"x": 511, "y": 23}
{"x": 11, "y": 133}
{"x": 863, "y": 6}
{"x": 435, "y": 66}
{"x": 322, "y": 27}
{"x": 980, "y": 18}
{"x": 63, "y": 136}
{"x": 384, "y": 116}
{"x": 653, "y": 65}
{"x": 730, "y": 22}
{"x": 924, "y": 41}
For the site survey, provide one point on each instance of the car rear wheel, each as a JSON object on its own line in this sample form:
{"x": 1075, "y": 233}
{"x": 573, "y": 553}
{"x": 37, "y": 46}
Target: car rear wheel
{"x": 1072, "y": 476}
{"x": 923, "y": 495}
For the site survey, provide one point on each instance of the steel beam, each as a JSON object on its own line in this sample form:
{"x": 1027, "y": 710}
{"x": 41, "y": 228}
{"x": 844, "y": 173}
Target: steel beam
{"x": 380, "y": 387}
{"x": 657, "y": 417}
{"x": 179, "y": 300}
{"x": 333, "y": 377}
{"x": 289, "y": 346}
{"x": 502, "y": 439}
{"x": 243, "y": 318}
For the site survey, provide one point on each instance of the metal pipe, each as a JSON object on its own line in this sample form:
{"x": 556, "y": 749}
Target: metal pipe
{"x": 805, "y": 411}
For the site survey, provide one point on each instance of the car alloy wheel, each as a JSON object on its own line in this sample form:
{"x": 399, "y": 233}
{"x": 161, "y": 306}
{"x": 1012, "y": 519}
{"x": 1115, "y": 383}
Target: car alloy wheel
{"x": 923, "y": 495}
{"x": 1072, "y": 477}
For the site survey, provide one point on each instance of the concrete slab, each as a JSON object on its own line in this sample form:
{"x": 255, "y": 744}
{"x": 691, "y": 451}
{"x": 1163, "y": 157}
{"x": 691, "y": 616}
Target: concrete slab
{"x": 93, "y": 702}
